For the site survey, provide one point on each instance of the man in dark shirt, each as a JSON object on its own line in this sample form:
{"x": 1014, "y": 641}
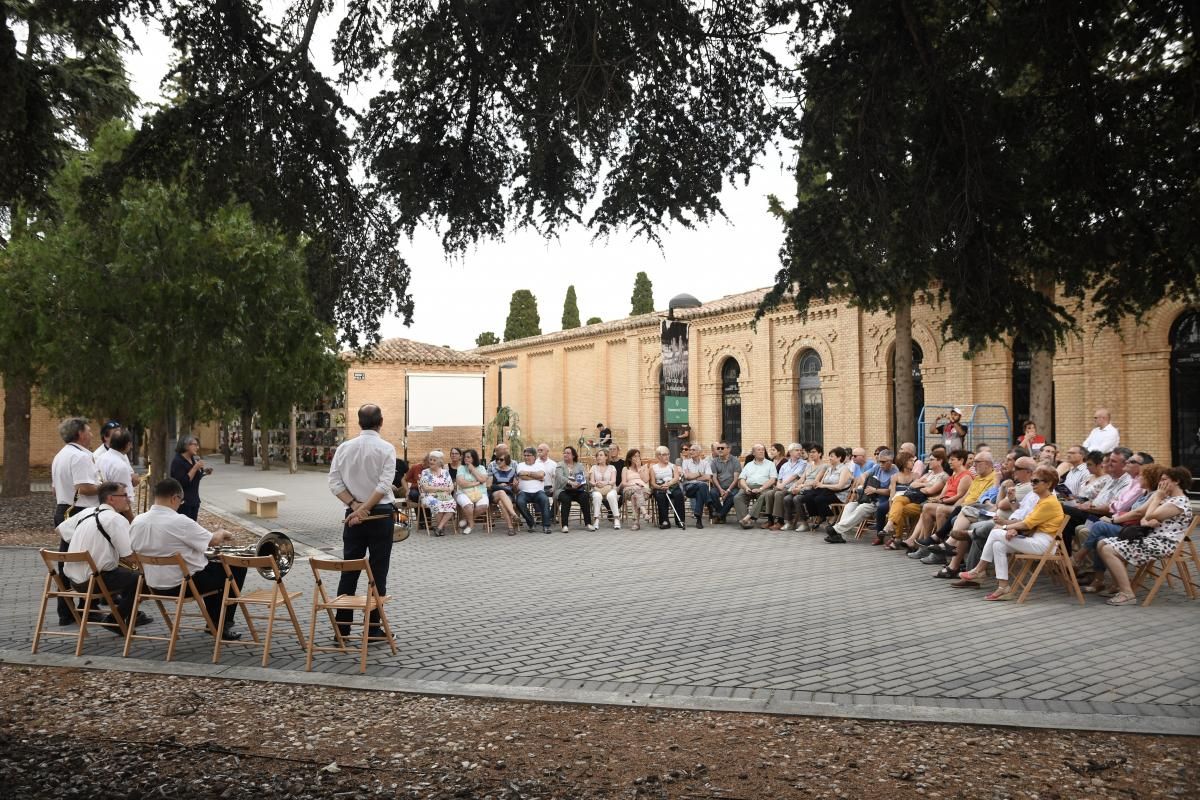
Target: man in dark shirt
{"x": 614, "y": 458}
{"x": 603, "y": 435}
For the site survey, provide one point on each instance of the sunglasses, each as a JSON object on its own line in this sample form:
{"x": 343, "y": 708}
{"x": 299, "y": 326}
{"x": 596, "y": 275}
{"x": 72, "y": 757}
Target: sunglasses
{"x": 1038, "y": 480}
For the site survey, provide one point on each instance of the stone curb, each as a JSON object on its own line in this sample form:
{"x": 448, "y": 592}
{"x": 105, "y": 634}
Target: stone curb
{"x": 947, "y": 714}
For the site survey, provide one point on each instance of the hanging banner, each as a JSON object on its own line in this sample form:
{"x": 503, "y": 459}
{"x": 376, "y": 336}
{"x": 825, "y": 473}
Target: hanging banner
{"x": 675, "y": 371}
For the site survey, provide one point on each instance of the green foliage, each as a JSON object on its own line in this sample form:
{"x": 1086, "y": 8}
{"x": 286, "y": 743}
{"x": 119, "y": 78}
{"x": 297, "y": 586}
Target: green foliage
{"x": 570, "y": 317}
{"x": 523, "y": 319}
{"x": 643, "y": 295}
{"x": 594, "y": 320}
{"x": 498, "y": 113}
{"x": 506, "y": 424}
{"x": 158, "y": 304}
{"x": 486, "y": 338}
{"x": 969, "y": 155}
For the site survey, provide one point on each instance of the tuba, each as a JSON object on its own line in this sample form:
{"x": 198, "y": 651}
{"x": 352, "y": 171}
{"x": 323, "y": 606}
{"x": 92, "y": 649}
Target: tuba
{"x": 273, "y": 543}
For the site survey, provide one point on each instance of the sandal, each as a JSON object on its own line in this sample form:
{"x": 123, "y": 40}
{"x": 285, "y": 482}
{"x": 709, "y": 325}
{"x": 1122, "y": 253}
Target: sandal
{"x": 1123, "y": 599}
{"x": 1006, "y": 594}
{"x": 946, "y": 572}
{"x": 878, "y": 540}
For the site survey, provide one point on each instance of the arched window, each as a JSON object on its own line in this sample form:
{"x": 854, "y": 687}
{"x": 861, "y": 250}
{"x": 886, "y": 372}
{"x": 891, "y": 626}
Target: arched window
{"x": 812, "y": 405}
{"x": 918, "y": 384}
{"x": 731, "y": 406}
{"x": 1185, "y": 392}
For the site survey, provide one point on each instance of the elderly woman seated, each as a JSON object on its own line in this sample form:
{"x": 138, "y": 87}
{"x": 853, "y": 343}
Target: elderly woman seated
{"x": 437, "y": 492}
{"x": 1166, "y": 521}
{"x": 1034, "y": 534}
{"x": 1109, "y": 526}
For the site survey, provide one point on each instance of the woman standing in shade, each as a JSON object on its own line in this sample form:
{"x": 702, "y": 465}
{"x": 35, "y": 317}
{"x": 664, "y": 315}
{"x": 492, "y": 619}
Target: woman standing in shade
{"x": 188, "y": 468}
{"x": 634, "y": 485}
{"x": 603, "y": 477}
{"x": 471, "y": 488}
{"x": 437, "y": 489}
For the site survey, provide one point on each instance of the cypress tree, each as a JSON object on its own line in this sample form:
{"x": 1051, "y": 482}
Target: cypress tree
{"x": 643, "y": 295}
{"x": 570, "y": 317}
{"x": 486, "y": 338}
{"x": 523, "y": 319}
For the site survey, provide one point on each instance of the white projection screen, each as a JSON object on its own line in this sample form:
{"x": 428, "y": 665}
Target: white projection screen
{"x": 445, "y": 400}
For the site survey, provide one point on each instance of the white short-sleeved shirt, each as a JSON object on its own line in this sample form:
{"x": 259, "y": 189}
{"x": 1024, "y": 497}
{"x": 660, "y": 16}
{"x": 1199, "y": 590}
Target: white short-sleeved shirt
{"x": 547, "y": 466}
{"x": 1103, "y": 439}
{"x": 163, "y": 532}
{"x": 74, "y": 465}
{"x": 530, "y": 485}
{"x": 1075, "y": 477}
{"x": 83, "y": 534}
{"x": 756, "y": 474}
{"x": 115, "y": 468}
{"x": 695, "y": 470}
{"x": 362, "y": 466}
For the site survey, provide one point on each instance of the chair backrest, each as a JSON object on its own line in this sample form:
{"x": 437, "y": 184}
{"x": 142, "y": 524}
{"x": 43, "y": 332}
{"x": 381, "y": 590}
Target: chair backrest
{"x": 339, "y": 564}
{"x": 52, "y": 557}
{"x": 173, "y": 560}
{"x": 264, "y": 564}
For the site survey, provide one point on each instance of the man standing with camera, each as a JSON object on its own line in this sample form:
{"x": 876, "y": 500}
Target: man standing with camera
{"x": 361, "y": 476}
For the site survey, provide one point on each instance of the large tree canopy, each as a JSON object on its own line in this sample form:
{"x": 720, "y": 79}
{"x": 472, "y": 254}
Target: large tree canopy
{"x": 979, "y": 153}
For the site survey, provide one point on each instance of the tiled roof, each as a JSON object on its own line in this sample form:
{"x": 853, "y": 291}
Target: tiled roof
{"x": 729, "y": 303}
{"x": 410, "y": 352}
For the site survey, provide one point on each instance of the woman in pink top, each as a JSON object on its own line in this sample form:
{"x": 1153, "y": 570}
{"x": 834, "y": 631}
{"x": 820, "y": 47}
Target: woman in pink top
{"x": 634, "y": 486}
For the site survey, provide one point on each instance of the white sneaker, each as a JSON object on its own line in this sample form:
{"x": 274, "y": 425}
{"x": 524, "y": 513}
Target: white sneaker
{"x": 802, "y": 526}
{"x": 593, "y": 527}
{"x": 616, "y": 524}
{"x": 467, "y": 530}
{"x": 564, "y": 529}
{"x": 786, "y": 527}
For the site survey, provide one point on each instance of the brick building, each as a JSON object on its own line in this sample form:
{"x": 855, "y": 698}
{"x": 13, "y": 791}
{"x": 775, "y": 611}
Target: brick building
{"x": 825, "y": 378}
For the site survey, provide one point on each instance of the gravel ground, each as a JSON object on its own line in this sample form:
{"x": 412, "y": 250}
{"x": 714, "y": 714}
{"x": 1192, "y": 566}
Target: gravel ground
{"x": 83, "y": 733}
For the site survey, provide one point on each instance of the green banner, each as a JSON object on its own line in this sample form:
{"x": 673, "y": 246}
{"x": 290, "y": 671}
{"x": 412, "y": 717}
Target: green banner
{"x": 676, "y": 410}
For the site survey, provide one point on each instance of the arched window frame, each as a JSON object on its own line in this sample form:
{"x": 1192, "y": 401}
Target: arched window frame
{"x": 810, "y": 398}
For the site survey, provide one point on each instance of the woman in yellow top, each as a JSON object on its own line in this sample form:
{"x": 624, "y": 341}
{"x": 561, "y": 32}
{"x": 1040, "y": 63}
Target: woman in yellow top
{"x": 1034, "y": 534}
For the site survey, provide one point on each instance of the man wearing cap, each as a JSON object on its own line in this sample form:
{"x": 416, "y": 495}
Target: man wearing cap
{"x": 107, "y": 431}
{"x": 951, "y": 429}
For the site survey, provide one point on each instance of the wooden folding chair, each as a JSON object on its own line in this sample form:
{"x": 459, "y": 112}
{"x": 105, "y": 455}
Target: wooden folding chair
{"x": 272, "y": 598}
{"x": 1056, "y": 557}
{"x": 56, "y": 586}
{"x": 1173, "y": 566}
{"x": 187, "y": 591}
{"x": 371, "y": 601}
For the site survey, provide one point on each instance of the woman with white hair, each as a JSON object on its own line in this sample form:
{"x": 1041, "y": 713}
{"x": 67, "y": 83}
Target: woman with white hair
{"x": 437, "y": 492}
{"x": 665, "y": 479}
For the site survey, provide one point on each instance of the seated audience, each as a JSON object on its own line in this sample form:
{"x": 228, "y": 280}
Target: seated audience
{"x": 936, "y": 510}
{"x": 1034, "y": 534}
{"x": 814, "y": 470}
{"x": 755, "y": 486}
{"x": 570, "y": 486}
{"x": 725, "y": 471}
{"x": 1166, "y": 520}
{"x": 1127, "y": 510}
{"x": 1104, "y": 437}
{"x": 531, "y": 488}
{"x": 471, "y": 484}
{"x": 635, "y": 486}
{"x": 908, "y": 493}
{"x": 970, "y": 533}
{"x": 785, "y": 504}
{"x": 832, "y": 487}
{"x": 871, "y": 493}
{"x": 665, "y": 479}
{"x": 1030, "y": 439}
{"x": 697, "y": 481}
{"x": 437, "y": 492}
{"x": 103, "y": 532}
{"x": 502, "y": 476}
{"x": 603, "y": 479}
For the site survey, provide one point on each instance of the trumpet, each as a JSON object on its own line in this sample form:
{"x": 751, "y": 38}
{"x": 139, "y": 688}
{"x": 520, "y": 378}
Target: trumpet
{"x": 272, "y": 543}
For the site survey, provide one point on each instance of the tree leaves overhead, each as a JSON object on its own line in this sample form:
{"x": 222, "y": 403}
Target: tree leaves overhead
{"x": 975, "y": 152}
{"x": 503, "y": 112}
{"x": 254, "y": 120}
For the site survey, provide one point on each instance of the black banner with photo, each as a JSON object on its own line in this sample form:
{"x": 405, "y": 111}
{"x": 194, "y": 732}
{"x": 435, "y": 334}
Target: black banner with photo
{"x": 675, "y": 371}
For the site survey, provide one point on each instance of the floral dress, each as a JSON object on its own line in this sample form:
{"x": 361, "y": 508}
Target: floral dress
{"x": 438, "y": 496}
{"x": 1163, "y": 539}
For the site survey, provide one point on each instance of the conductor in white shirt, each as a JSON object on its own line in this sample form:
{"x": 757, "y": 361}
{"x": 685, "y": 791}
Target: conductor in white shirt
{"x": 163, "y": 531}
{"x": 1104, "y": 437}
{"x": 104, "y": 533}
{"x": 360, "y": 475}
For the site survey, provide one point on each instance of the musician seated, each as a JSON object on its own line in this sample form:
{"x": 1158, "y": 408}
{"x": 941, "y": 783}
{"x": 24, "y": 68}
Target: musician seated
{"x": 162, "y": 531}
{"x": 104, "y": 533}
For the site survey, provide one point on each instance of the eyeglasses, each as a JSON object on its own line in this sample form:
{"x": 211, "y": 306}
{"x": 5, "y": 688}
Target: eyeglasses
{"x": 1131, "y": 461}
{"x": 118, "y": 495}
{"x": 1037, "y": 480}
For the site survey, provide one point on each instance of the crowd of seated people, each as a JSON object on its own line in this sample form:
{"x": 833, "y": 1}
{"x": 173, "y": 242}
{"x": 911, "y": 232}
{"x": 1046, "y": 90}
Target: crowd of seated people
{"x": 966, "y": 511}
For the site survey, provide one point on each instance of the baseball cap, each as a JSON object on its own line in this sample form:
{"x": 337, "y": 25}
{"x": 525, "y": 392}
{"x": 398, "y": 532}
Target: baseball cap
{"x": 956, "y": 410}
{"x": 110, "y": 425}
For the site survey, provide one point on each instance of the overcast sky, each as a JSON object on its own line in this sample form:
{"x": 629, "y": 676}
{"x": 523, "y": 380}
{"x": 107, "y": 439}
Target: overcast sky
{"x": 457, "y": 298}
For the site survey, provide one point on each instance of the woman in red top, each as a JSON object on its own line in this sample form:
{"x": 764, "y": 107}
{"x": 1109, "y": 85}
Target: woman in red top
{"x": 934, "y": 511}
{"x": 1030, "y": 439}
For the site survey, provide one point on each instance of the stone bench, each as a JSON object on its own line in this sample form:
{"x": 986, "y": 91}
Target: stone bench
{"x": 262, "y": 502}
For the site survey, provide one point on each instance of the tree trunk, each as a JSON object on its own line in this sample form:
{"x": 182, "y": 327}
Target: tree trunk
{"x": 18, "y": 401}
{"x": 264, "y": 445}
{"x": 157, "y": 457}
{"x": 292, "y": 467}
{"x": 225, "y": 448}
{"x": 248, "y": 437}
{"x": 1041, "y": 379}
{"x": 902, "y": 375}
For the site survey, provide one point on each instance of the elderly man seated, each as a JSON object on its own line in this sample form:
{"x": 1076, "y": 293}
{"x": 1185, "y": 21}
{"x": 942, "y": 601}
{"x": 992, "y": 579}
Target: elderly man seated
{"x": 942, "y": 519}
{"x": 870, "y": 493}
{"x": 1123, "y": 475}
{"x": 970, "y": 532}
{"x": 103, "y": 532}
{"x": 756, "y": 486}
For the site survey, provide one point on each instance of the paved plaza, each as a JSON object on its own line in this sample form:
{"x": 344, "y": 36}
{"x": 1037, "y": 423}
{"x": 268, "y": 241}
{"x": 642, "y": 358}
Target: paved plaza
{"x": 720, "y": 619}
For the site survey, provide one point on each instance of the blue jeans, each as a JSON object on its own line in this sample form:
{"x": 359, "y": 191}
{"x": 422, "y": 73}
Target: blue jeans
{"x": 540, "y": 500}
{"x": 721, "y": 508}
{"x": 1096, "y": 531}
{"x": 699, "y": 494}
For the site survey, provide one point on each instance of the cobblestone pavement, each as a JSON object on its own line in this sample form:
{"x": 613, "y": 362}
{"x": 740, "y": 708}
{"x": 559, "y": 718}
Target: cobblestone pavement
{"x": 712, "y": 618}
